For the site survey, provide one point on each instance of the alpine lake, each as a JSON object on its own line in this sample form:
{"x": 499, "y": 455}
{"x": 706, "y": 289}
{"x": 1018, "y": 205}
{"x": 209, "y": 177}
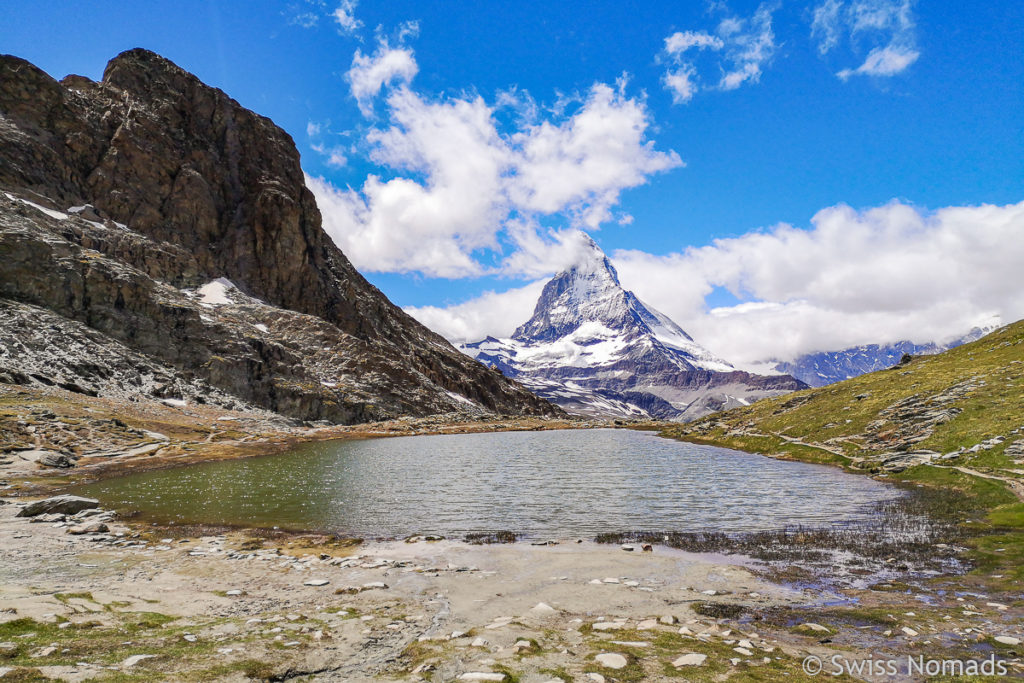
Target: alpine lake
{"x": 538, "y": 484}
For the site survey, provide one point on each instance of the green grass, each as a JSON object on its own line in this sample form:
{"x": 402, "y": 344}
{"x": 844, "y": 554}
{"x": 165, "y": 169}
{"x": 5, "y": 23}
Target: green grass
{"x": 833, "y": 416}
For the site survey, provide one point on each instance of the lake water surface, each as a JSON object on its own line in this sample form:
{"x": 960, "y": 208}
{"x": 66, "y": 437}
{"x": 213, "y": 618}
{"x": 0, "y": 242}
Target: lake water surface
{"x": 542, "y": 484}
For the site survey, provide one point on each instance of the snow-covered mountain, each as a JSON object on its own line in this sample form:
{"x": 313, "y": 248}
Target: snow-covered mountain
{"x": 594, "y": 348}
{"x": 826, "y": 367}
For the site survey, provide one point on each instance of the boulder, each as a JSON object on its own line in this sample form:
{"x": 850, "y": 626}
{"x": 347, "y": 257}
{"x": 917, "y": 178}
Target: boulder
{"x": 692, "y": 659}
{"x": 58, "y": 460}
{"x": 611, "y": 660}
{"x": 94, "y": 528}
{"x": 64, "y": 505}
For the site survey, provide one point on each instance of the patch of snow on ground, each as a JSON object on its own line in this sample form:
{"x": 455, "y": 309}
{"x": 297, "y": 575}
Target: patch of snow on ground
{"x": 215, "y": 293}
{"x": 261, "y": 327}
{"x": 460, "y": 398}
{"x": 49, "y": 212}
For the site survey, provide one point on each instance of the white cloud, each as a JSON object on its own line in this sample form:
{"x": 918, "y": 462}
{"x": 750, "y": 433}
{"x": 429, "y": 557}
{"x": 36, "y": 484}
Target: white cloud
{"x": 743, "y": 45}
{"x": 499, "y": 313}
{"x": 884, "y": 274}
{"x": 582, "y": 163}
{"x": 827, "y": 24}
{"x": 345, "y": 16}
{"x": 752, "y": 43}
{"x": 336, "y": 158}
{"x": 884, "y": 61}
{"x": 681, "y": 83}
{"x": 460, "y": 184}
{"x": 681, "y": 41}
{"x": 855, "y": 277}
{"x": 885, "y": 27}
{"x": 305, "y": 19}
{"x": 370, "y": 73}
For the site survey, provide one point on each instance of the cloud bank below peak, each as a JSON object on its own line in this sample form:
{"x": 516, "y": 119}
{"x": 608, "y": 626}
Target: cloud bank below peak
{"x": 879, "y": 275}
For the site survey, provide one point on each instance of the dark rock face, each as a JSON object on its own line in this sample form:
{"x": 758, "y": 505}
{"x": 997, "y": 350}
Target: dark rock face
{"x": 185, "y": 187}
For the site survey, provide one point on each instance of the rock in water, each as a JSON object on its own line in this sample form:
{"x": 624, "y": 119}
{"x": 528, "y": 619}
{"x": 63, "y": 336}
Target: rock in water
{"x": 199, "y": 272}
{"x": 62, "y": 505}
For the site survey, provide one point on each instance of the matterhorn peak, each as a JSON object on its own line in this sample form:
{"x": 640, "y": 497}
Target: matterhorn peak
{"x": 590, "y": 259}
{"x": 593, "y": 347}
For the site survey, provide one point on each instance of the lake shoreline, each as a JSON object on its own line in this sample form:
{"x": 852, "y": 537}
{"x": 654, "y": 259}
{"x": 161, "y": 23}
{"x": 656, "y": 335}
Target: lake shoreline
{"x": 237, "y": 606}
{"x": 80, "y": 594}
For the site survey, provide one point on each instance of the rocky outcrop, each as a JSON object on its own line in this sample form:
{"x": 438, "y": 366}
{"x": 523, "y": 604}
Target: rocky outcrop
{"x": 124, "y": 200}
{"x": 63, "y": 505}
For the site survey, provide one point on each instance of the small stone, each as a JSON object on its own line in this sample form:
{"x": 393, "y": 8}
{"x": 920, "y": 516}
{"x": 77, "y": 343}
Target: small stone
{"x": 611, "y": 579}
{"x": 596, "y": 678}
{"x": 316, "y": 582}
{"x": 43, "y": 652}
{"x": 611, "y": 660}
{"x": 668, "y": 620}
{"x": 481, "y": 676}
{"x": 135, "y": 659}
{"x": 191, "y": 638}
{"x": 609, "y": 625}
{"x": 692, "y": 659}
{"x": 543, "y": 608}
{"x": 646, "y": 625}
{"x": 909, "y": 631}
{"x": 94, "y": 528}
{"x": 743, "y": 651}
{"x": 817, "y": 628}
{"x": 374, "y": 585}
{"x": 1007, "y": 640}
{"x": 479, "y": 642}
{"x": 233, "y": 593}
{"x": 628, "y": 548}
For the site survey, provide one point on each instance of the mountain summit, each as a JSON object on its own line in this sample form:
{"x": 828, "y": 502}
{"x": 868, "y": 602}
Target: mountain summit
{"x": 594, "y": 348}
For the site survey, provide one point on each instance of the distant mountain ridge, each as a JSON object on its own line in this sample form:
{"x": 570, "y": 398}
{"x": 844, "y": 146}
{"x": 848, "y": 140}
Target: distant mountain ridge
{"x": 594, "y": 348}
{"x": 826, "y": 367}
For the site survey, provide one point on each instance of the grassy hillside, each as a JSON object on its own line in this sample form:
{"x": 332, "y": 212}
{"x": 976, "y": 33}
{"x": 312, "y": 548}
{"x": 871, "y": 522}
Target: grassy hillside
{"x": 930, "y": 405}
{"x": 954, "y": 420}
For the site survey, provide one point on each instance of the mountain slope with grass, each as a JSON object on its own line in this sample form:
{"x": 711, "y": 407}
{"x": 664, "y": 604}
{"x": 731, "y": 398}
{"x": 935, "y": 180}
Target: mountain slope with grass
{"x": 954, "y": 420}
{"x": 960, "y": 408}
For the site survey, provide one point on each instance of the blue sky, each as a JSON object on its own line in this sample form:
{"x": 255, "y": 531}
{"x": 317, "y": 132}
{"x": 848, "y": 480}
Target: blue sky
{"x": 771, "y": 124}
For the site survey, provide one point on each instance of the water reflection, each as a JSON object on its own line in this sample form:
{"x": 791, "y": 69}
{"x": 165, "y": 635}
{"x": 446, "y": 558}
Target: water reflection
{"x": 559, "y": 483}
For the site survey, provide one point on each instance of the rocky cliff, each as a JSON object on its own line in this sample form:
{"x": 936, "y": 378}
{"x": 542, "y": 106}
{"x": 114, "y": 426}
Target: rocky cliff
{"x": 157, "y": 239}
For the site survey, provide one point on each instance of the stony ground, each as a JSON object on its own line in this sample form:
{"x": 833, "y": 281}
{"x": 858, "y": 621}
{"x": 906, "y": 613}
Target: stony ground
{"x": 136, "y": 603}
